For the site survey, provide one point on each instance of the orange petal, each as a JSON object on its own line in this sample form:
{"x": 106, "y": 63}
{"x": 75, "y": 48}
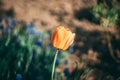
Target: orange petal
{"x": 62, "y": 37}
{"x": 57, "y": 36}
{"x": 64, "y": 40}
{"x": 70, "y": 41}
{"x": 53, "y": 36}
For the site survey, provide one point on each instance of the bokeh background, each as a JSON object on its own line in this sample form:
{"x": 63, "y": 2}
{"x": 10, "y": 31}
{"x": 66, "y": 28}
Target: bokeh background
{"x": 26, "y": 52}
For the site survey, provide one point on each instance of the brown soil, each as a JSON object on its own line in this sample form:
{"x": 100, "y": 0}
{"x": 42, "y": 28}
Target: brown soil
{"x": 90, "y": 39}
{"x": 48, "y": 13}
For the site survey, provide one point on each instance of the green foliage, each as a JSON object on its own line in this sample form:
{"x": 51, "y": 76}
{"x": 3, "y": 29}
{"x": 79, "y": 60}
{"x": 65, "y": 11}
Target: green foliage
{"x": 20, "y": 54}
{"x": 106, "y": 12}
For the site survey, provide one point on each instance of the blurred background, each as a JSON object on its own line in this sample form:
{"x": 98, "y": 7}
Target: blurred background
{"x": 26, "y": 52}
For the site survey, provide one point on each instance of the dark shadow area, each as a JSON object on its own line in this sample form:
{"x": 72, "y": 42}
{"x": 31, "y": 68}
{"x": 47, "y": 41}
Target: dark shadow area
{"x": 1, "y": 3}
{"x": 86, "y": 14}
{"x": 61, "y": 14}
{"x": 4, "y": 13}
{"x": 118, "y": 0}
{"x": 96, "y": 40}
{"x": 118, "y": 21}
{"x": 10, "y": 12}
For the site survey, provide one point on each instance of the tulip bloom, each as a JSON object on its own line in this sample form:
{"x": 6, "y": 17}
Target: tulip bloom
{"x": 62, "y": 37}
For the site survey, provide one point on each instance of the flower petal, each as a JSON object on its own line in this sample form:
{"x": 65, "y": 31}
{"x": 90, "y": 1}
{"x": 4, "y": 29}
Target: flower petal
{"x": 70, "y": 41}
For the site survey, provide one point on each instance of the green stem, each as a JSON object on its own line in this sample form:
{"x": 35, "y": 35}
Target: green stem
{"x": 8, "y": 40}
{"x": 110, "y": 45}
{"x": 53, "y": 67}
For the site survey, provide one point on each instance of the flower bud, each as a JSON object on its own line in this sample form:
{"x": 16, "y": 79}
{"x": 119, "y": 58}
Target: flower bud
{"x": 62, "y": 37}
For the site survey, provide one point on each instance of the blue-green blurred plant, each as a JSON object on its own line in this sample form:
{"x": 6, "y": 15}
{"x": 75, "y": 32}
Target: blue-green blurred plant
{"x": 26, "y": 53}
{"x": 107, "y": 12}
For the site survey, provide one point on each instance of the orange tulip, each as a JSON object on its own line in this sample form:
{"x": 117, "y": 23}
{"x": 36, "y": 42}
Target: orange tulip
{"x": 62, "y": 37}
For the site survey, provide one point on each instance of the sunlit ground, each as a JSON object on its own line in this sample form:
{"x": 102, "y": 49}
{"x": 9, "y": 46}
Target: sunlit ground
{"x": 27, "y": 52}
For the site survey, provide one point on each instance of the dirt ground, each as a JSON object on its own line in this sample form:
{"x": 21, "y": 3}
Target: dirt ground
{"x": 47, "y": 13}
{"x": 90, "y": 39}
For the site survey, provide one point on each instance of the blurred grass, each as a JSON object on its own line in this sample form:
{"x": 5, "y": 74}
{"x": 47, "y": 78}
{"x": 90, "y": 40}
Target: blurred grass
{"x": 26, "y": 53}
